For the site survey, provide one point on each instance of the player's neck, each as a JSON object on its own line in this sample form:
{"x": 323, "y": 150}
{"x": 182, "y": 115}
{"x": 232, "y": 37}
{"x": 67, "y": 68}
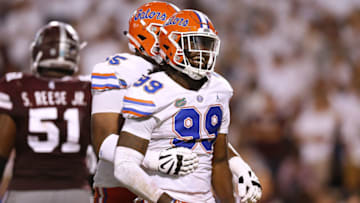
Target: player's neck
{"x": 147, "y": 58}
{"x": 184, "y": 80}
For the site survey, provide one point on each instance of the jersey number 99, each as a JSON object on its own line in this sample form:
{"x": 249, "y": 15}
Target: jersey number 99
{"x": 188, "y": 124}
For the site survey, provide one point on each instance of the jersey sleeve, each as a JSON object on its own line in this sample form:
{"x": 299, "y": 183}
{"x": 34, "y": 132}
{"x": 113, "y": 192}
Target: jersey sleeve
{"x": 139, "y": 107}
{"x": 226, "y": 95}
{"x": 138, "y": 102}
{"x": 6, "y": 89}
{"x": 140, "y": 128}
{"x": 118, "y": 72}
{"x": 225, "y": 123}
{"x": 104, "y": 78}
{"x": 107, "y": 86}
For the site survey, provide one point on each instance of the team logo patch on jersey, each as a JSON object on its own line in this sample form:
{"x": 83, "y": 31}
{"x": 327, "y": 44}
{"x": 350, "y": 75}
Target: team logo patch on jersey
{"x": 180, "y": 102}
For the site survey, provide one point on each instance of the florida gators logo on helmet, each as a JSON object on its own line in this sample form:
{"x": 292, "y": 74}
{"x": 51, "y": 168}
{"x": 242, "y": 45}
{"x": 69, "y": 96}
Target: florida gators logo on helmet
{"x": 144, "y": 27}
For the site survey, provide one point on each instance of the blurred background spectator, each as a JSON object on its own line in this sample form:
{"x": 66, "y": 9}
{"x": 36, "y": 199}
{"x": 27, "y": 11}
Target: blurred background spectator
{"x": 294, "y": 66}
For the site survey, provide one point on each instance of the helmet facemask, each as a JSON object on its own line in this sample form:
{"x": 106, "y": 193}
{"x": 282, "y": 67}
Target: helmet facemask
{"x": 196, "y": 53}
{"x": 58, "y": 55}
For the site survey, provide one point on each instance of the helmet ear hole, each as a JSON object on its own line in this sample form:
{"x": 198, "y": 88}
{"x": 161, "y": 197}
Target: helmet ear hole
{"x": 166, "y": 46}
{"x": 144, "y": 26}
{"x": 142, "y": 37}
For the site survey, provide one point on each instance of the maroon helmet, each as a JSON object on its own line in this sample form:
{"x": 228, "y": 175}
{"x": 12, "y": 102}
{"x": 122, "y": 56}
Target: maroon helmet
{"x": 56, "y": 47}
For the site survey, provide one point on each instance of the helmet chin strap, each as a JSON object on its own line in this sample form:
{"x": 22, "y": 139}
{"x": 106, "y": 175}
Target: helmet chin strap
{"x": 192, "y": 75}
{"x": 195, "y": 76}
{"x": 188, "y": 70}
{"x": 157, "y": 59}
{"x": 131, "y": 47}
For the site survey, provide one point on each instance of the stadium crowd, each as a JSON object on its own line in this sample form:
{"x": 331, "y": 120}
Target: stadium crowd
{"x": 294, "y": 66}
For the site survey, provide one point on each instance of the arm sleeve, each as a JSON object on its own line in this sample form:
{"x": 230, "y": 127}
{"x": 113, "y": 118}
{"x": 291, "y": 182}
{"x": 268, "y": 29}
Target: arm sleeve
{"x": 140, "y": 127}
{"x": 128, "y": 171}
{"x": 107, "y": 89}
{"x": 225, "y": 123}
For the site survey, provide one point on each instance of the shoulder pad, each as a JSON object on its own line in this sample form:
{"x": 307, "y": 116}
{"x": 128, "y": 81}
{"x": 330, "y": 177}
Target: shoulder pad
{"x": 117, "y": 59}
{"x": 138, "y": 103}
{"x": 84, "y": 78}
{"x": 222, "y": 82}
{"x": 104, "y": 78}
{"x": 119, "y": 71}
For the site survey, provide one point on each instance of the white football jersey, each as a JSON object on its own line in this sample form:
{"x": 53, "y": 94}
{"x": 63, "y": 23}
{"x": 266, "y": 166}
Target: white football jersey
{"x": 109, "y": 81}
{"x": 180, "y": 118}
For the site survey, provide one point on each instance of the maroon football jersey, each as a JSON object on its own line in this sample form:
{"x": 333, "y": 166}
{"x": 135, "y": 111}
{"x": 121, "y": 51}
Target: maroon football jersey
{"x": 52, "y": 130}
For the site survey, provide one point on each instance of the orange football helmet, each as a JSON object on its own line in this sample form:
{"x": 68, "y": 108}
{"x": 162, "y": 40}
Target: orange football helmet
{"x": 189, "y": 43}
{"x": 144, "y": 27}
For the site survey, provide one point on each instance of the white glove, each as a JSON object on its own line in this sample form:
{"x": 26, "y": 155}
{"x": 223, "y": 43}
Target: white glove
{"x": 177, "y": 161}
{"x": 246, "y": 183}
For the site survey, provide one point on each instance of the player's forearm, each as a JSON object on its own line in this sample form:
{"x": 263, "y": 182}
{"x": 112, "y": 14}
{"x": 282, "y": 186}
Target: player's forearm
{"x": 103, "y": 125}
{"x": 7, "y": 140}
{"x": 3, "y": 162}
{"x": 222, "y": 181}
{"x": 128, "y": 171}
{"x": 221, "y": 175}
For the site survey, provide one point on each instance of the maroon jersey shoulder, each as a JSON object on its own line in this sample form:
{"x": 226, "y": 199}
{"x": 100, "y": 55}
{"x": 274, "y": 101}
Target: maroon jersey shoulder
{"x": 52, "y": 130}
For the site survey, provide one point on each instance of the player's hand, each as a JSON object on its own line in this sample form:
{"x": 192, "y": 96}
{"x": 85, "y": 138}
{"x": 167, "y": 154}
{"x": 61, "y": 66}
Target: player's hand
{"x": 246, "y": 183}
{"x": 178, "y": 161}
{"x": 249, "y": 187}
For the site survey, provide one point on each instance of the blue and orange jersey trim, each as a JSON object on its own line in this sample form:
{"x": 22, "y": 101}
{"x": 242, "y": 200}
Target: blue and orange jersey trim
{"x": 110, "y": 80}
{"x": 135, "y": 112}
{"x": 138, "y": 101}
{"x": 103, "y": 75}
{"x": 104, "y": 86}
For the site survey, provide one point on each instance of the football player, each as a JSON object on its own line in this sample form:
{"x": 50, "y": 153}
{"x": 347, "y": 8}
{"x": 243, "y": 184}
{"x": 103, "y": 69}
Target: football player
{"x": 110, "y": 80}
{"x": 45, "y": 118}
{"x": 186, "y": 105}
